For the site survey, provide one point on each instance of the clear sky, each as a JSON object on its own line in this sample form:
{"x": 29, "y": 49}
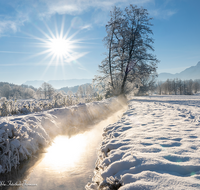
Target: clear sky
{"x": 31, "y": 33}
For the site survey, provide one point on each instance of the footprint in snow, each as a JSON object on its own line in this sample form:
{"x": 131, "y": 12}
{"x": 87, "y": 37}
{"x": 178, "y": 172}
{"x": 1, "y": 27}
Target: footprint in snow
{"x": 193, "y": 136}
{"x": 173, "y": 158}
{"x": 162, "y": 138}
{"x": 146, "y": 144}
{"x": 177, "y": 139}
{"x": 194, "y": 147}
{"x": 171, "y": 144}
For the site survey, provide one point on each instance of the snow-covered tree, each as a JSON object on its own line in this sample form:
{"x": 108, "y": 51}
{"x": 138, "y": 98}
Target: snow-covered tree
{"x": 6, "y": 91}
{"x": 80, "y": 91}
{"x": 196, "y": 86}
{"x": 48, "y": 90}
{"x": 39, "y": 93}
{"x": 129, "y": 45}
{"x": 44, "y": 89}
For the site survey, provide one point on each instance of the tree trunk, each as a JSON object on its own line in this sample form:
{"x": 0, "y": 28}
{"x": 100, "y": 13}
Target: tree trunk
{"x": 111, "y": 79}
{"x": 125, "y": 77}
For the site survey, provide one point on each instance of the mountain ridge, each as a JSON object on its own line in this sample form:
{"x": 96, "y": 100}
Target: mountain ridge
{"x": 192, "y": 72}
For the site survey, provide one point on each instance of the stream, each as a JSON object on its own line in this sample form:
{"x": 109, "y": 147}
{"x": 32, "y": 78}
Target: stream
{"x": 68, "y": 164}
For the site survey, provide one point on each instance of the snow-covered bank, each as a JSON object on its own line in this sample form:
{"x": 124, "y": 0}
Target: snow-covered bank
{"x": 155, "y": 145}
{"x": 22, "y": 136}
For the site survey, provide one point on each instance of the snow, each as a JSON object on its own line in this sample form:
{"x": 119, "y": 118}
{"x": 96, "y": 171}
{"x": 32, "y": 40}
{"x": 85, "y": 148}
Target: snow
{"x": 155, "y": 145}
{"x": 22, "y": 136}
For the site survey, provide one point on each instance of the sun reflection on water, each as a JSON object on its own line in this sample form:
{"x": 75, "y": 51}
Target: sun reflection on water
{"x": 65, "y": 152}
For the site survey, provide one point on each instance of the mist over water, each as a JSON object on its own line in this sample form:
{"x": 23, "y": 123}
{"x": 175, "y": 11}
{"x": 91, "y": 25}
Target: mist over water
{"x": 68, "y": 163}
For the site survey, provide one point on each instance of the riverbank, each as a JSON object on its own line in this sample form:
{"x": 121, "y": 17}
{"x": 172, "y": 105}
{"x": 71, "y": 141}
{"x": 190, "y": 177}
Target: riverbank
{"x": 155, "y": 145}
{"x": 67, "y": 163}
{"x": 22, "y": 136}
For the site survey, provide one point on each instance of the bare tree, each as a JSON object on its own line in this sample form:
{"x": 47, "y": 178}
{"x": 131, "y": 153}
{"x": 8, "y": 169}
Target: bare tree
{"x": 17, "y": 92}
{"x": 196, "y": 86}
{"x": 129, "y": 44}
{"x": 39, "y": 93}
{"x": 89, "y": 92}
{"x": 29, "y": 93}
{"x": 50, "y": 90}
{"x": 148, "y": 84}
{"x": 6, "y": 90}
{"x": 177, "y": 86}
{"x": 44, "y": 89}
{"x": 70, "y": 97}
{"x": 180, "y": 86}
{"x": 80, "y": 91}
{"x": 190, "y": 82}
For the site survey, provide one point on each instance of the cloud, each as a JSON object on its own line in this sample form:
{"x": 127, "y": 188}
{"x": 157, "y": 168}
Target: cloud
{"x": 6, "y": 25}
{"x": 10, "y": 25}
{"x": 87, "y": 27}
{"x": 75, "y": 56}
{"x": 75, "y": 7}
{"x": 101, "y": 8}
{"x": 11, "y": 21}
{"x": 13, "y": 64}
{"x": 19, "y": 11}
{"x": 162, "y": 10}
{"x": 14, "y": 52}
{"x": 162, "y": 14}
{"x": 81, "y": 68}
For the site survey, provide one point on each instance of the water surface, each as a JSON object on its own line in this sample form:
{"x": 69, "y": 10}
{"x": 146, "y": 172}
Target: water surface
{"x": 67, "y": 164}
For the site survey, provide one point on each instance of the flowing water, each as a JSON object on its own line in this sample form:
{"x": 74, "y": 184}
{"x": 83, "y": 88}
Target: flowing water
{"x": 67, "y": 164}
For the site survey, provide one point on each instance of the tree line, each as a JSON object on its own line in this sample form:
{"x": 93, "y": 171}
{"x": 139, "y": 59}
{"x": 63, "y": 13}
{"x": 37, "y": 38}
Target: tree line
{"x": 44, "y": 98}
{"x": 46, "y": 91}
{"x": 178, "y": 87}
{"x": 13, "y": 91}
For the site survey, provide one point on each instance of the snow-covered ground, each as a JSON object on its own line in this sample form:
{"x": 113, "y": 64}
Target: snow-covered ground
{"x": 21, "y": 136}
{"x": 27, "y": 106}
{"x": 155, "y": 145}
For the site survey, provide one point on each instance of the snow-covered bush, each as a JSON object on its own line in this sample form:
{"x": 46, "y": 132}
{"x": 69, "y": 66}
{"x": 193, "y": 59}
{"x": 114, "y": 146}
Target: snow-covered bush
{"x": 17, "y": 107}
{"x": 17, "y": 142}
{"x": 22, "y": 136}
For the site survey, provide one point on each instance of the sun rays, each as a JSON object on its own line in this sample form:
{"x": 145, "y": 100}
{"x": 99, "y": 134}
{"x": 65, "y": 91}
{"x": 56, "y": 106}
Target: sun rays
{"x": 59, "y": 47}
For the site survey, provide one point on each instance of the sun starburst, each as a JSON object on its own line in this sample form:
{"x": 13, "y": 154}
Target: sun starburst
{"x": 59, "y": 47}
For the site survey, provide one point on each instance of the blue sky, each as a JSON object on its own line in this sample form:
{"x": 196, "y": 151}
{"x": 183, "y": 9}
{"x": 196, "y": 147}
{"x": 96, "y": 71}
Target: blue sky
{"x": 27, "y": 26}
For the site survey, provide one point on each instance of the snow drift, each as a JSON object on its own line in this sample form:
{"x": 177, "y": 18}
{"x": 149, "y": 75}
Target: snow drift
{"x": 155, "y": 145}
{"x": 22, "y": 136}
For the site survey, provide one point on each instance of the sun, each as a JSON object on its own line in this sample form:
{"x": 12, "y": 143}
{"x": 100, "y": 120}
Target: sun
{"x": 59, "y": 47}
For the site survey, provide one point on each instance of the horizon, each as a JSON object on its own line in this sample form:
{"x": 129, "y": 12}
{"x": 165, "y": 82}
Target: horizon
{"x": 91, "y": 78}
{"x": 31, "y": 34}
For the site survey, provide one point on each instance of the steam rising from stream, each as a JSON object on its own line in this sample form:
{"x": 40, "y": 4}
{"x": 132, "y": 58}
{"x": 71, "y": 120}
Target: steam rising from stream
{"x": 69, "y": 162}
{"x": 22, "y": 136}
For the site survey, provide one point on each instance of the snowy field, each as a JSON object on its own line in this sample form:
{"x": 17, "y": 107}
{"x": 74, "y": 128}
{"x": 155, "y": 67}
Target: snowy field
{"x": 155, "y": 145}
{"x": 22, "y": 136}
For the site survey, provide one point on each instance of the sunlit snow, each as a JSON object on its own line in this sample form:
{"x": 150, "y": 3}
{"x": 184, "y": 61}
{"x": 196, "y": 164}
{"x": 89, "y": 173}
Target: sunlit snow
{"x": 155, "y": 145}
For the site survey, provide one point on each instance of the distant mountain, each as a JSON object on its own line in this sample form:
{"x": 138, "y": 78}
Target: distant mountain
{"x": 34, "y": 83}
{"x": 59, "y": 83}
{"x": 189, "y": 73}
{"x": 71, "y": 82}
